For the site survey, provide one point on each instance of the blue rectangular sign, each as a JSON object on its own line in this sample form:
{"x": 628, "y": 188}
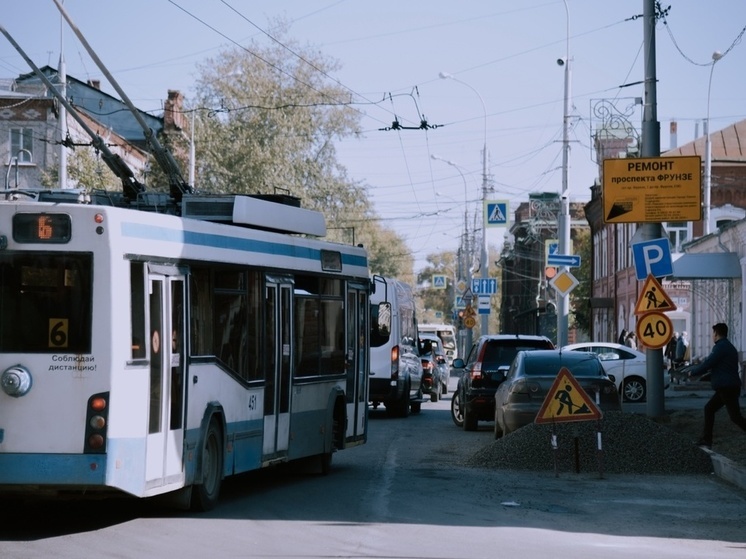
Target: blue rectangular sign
{"x": 563, "y": 260}
{"x": 484, "y": 286}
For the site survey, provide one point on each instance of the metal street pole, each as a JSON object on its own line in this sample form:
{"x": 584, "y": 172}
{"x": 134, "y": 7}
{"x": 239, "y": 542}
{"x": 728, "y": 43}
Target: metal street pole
{"x": 708, "y": 152}
{"x": 563, "y": 306}
{"x": 651, "y": 147}
{"x": 466, "y": 252}
{"x": 484, "y": 257}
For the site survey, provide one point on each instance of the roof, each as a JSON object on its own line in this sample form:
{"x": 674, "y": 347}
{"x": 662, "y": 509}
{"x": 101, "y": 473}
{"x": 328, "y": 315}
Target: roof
{"x": 727, "y": 145}
{"x": 711, "y": 265}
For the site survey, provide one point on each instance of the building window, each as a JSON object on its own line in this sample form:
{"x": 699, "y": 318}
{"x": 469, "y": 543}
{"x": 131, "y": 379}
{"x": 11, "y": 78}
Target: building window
{"x": 22, "y": 144}
{"x": 678, "y": 234}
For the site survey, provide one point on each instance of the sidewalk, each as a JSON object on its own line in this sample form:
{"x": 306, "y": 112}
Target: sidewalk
{"x": 724, "y": 468}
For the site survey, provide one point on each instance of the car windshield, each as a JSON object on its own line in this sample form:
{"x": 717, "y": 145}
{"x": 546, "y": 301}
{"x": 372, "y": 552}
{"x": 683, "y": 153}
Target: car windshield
{"x": 551, "y": 365}
{"x": 502, "y": 352}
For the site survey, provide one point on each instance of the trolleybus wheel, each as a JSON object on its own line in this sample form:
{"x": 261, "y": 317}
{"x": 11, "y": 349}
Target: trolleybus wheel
{"x": 205, "y": 495}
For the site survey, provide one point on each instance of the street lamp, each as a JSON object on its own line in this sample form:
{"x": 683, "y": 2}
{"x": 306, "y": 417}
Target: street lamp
{"x": 484, "y": 264}
{"x": 465, "y": 261}
{"x": 717, "y": 55}
{"x": 564, "y": 224}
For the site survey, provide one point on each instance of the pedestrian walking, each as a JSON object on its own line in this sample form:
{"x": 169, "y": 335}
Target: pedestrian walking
{"x": 722, "y": 363}
{"x": 631, "y": 340}
{"x": 622, "y": 337}
{"x": 682, "y": 350}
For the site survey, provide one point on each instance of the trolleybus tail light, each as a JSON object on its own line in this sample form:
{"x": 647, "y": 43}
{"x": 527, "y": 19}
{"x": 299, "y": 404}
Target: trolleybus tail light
{"x": 16, "y": 381}
{"x": 97, "y": 420}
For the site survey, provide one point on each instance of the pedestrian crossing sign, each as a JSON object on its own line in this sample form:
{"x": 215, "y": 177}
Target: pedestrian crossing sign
{"x": 439, "y": 281}
{"x": 567, "y": 401}
{"x": 496, "y": 213}
{"x": 653, "y": 298}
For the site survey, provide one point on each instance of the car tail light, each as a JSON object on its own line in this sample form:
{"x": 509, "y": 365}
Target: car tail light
{"x": 525, "y": 387}
{"x": 96, "y": 424}
{"x": 476, "y": 371}
{"x": 395, "y": 362}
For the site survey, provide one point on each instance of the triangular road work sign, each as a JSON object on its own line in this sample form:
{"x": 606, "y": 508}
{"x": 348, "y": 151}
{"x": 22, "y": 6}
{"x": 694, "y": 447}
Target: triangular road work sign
{"x": 653, "y": 298}
{"x": 567, "y": 401}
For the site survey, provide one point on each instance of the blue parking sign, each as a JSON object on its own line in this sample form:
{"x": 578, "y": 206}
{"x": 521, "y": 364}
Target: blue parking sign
{"x": 652, "y": 257}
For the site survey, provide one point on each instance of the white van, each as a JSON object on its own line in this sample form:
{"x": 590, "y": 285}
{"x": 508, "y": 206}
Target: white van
{"x": 447, "y": 335}
{"x": 395, "y": 366}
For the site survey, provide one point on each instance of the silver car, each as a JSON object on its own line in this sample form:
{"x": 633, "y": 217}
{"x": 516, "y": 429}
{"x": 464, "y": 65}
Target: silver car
{"x": 625, "y": 365}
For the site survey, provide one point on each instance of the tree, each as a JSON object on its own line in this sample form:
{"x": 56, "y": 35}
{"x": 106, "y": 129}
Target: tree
{"x": 580, "y": 296}
{"x": 438, "y": 300}
{"x": 267, "y": 120}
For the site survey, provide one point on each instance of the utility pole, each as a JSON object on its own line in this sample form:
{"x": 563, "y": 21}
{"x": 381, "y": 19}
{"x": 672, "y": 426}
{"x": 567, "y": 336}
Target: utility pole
{"x": 563, "y": 306}
{"x": 651, "y": 147}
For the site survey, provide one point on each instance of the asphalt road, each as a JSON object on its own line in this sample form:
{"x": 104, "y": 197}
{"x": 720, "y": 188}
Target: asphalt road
{"x": 403, "y": 495}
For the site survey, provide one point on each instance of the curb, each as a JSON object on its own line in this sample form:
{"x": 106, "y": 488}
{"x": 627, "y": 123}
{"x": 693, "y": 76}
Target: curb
{"x": 727, "y": 469}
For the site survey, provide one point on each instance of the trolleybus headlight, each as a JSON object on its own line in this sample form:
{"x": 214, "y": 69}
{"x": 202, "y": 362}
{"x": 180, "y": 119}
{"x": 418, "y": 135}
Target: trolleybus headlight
{"x": 16, "y": 381}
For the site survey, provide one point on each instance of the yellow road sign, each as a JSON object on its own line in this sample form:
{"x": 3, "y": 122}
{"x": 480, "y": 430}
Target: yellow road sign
{"x": 654, "y": 330}
{"x": 653, "y": 298}
{"x": 567, "y": 401}
{"x": 564, "y": 282}
{"x": 639, "y": 190}
{"x": 470, "y": 322}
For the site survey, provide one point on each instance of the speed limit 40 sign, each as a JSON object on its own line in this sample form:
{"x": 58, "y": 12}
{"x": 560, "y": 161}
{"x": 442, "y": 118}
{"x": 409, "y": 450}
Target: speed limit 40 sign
{"x": 654, "y": 330}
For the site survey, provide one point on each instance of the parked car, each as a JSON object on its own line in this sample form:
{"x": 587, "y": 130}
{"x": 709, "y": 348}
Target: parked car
{"x": 436, "y": 372}
{"x": 474, "y": 399}
{"x": 627, "y": 366}
{"x": 532, "y": 374}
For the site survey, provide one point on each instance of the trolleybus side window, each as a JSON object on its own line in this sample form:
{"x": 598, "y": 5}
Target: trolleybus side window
{"x": 320, "y": 326}
{"x": 52, "y": 292}
{"x": 137, "y": 310}
{"x": 226, "y": 317}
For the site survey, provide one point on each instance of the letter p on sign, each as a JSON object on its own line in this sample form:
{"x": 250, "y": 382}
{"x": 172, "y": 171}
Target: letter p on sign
{"x": 652, "y": 257}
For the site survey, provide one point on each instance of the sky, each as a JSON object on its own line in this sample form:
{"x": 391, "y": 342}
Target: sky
{"x": 503, "y": 86}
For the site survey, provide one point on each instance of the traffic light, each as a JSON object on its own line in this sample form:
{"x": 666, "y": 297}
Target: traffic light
{"x": 549, "y": 272}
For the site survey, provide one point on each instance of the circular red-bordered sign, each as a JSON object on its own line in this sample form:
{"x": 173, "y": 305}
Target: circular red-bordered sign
{"x": 654, "y": 330}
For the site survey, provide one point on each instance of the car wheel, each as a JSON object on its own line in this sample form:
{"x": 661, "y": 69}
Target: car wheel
{"x": 400, "y": 408}
{"x": 470, "y": 420}
{"x": 498, "y": 429}
{"x": 435, "y": 394}
{"x": 634, "y": 390}
{"x": 457, "y": 414}
{"x": 416, "y": 407}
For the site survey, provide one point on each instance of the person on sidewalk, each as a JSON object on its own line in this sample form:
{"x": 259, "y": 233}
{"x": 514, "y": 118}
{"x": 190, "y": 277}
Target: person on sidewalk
{"x": 723, "y": 366}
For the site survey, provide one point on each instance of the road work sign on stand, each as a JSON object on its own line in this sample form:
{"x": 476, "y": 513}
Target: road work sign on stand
{"x": 567, "y": 401}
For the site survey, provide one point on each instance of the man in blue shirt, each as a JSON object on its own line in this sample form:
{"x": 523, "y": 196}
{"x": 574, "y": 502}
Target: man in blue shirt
{"x": 723, "y": 366}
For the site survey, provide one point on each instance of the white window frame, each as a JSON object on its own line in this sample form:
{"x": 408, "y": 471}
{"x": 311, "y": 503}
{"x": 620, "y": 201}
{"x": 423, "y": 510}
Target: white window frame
{"x": 22, "y": 145}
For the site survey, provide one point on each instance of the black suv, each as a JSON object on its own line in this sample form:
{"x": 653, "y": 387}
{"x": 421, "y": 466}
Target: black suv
{"x": 474, "y": 398}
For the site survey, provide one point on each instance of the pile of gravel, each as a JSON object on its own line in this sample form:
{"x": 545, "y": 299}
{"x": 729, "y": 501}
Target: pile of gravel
{"x": 632, "y": 444}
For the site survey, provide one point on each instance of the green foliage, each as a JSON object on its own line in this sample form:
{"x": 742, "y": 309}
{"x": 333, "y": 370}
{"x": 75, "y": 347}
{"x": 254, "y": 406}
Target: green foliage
{"x": 267, "y": 121}
{"x": 580, "y": 296}
{"x": 437, "y": 300}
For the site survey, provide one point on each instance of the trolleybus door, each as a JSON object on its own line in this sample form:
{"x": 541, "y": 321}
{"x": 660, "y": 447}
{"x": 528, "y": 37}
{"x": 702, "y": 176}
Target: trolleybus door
{"x": 166, "y": 417}
{"x": 278, "y": 377}
{"x": 357, "y": 359}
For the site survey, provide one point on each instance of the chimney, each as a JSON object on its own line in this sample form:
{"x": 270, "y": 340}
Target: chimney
{"x": 674, "y": 137}
{"x": 173, "y": 112}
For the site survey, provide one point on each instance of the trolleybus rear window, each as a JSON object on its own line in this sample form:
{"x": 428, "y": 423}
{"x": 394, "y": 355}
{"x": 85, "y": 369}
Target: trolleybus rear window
{"x": 45, "y": 302}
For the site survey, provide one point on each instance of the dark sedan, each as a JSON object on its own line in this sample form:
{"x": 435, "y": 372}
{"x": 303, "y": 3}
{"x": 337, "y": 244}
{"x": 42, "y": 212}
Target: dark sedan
{"x": 532, "y": 374}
